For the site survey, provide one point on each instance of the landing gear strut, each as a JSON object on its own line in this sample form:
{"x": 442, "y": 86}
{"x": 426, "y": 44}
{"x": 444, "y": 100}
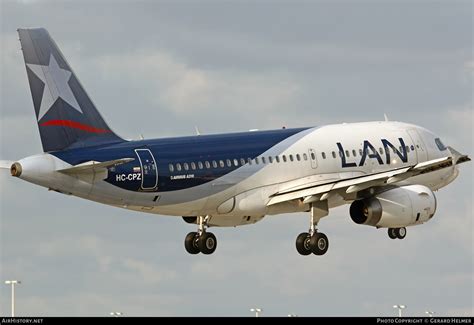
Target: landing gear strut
{"x": 313, "y": 241}
{"x": 395, "y": 233}
{"x": 200, "y": 241}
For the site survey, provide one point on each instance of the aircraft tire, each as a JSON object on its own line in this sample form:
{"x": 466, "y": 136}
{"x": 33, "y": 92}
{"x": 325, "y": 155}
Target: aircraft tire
{"x": 303, "y": 243}
{"x": 392, "y": 233}
{"x": 319, "y": 243}
{"x": 401, "y": 232}
{"x": 190, "y": 243}
{"x": 207, "y": 243}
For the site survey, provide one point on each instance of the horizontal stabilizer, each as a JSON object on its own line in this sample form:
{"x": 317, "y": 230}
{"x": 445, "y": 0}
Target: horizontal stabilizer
{"x": 6, "y": 164}
{"x": 93, "y": 166}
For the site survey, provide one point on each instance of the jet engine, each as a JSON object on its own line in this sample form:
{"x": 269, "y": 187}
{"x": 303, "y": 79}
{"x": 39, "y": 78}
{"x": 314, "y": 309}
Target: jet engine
{"x": 399, "y": 207}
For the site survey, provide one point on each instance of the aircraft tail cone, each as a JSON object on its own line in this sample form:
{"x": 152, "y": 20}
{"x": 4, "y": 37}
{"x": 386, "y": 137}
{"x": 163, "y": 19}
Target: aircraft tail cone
{"x": 16, "y": 169}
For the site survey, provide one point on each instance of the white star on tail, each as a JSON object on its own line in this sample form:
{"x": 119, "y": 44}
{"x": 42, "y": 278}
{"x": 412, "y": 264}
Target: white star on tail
{"x": 55, "y": 85}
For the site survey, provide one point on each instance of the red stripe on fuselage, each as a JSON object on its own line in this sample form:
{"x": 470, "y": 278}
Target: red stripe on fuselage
{"x": 74, "y": 125}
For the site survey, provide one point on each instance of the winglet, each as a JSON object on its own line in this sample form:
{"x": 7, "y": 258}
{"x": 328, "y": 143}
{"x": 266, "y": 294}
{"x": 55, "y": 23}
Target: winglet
{"x": 458, "y": 157}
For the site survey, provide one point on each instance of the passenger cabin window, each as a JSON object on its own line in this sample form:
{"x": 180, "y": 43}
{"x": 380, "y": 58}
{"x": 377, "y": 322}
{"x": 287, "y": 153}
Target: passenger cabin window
{"x": 214, "y": 164}
{"x": 298, "y": 157}
{"x": 242, "y": 161}
{"x": 354, "y": 153}
{"x": 200, "y": 166}
{"x": 323, "y": 154}
{"x": 249, "y": 160}
{"x": 221, "y": 163}
{"x": 291, "y": 157}
{"x": 313, "y": 157}
{"x": 236, "y": 162}
{"x": 305, "y": 157}
{"x": 263, "y": 160}
{"x": 341, "y": 154}
{"x": 347, "y": 153}
{"x": 178, "y": 167}
{"x": 360, "y": 152}
{"x": 440, "y": 144}
{"x": 229, "y": 163}
{"x": 333, "y": 154}
{"x": 270, "y": 159}
{"x": 381, "y": 151}
{"x": 171, "y": 167}
{"x": 284, "y": 158}
{"x": 193, "y": 166}
{"x": 208, "y": 165}
{"x": 277, "y": 159}
{"x": 256, "y": 160}
{"x": 186, "y": 166}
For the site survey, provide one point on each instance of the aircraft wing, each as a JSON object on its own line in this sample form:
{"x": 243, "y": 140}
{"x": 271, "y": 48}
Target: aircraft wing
{"x": 94, "y": 166}
{"x": 314, "y": 193}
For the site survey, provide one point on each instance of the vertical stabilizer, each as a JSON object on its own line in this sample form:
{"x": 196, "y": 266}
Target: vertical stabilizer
{"x": 66, "y": 116}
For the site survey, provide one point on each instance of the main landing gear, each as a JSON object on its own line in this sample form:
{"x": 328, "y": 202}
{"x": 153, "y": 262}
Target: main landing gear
{"x": 313, "y": 241}
{"x": 397, "y": 233}
{"x": 201, "y": 241}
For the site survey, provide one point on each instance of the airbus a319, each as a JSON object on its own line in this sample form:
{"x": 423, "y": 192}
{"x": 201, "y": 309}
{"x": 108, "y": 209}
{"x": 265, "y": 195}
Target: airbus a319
{"x": 387, "y": 171}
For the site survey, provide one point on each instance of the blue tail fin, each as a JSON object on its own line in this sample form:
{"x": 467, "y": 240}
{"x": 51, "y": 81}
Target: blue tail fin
{"x": 66, "y": 116}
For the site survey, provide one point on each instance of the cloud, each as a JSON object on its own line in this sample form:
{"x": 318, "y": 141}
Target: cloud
{"x": 173, "y": 85}
{"x": 462, "y": 117}
{"x": 224, "y": 68}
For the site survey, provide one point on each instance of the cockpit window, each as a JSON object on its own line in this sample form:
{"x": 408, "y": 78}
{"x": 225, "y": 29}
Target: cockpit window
{"x": 440, "y": 145}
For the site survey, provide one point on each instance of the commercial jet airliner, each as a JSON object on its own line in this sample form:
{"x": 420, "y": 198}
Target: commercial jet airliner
{"x": 387, "y": 171}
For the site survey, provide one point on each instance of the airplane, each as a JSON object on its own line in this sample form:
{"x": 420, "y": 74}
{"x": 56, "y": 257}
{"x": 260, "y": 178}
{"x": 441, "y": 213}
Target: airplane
{"x": 387, "y": 171}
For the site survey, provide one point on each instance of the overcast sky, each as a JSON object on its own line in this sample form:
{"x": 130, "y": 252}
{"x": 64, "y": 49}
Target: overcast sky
{"x": 162, "y": 68}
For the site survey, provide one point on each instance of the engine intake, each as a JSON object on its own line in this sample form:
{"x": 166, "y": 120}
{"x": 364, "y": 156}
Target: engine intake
{"x": 366, "y": 212}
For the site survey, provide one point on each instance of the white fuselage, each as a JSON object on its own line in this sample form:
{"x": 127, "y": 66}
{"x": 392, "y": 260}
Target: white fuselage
{"x": 241, "y": 196}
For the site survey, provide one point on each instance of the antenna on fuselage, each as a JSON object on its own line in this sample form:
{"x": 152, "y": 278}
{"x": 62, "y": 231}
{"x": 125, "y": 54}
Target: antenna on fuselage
{"x": 197, "y": 130}
{"x": 386, "y": 117}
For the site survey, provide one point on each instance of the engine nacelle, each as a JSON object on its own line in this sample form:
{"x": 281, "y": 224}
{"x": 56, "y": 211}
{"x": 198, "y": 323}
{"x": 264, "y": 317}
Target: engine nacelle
{"x": 395, "y": 208}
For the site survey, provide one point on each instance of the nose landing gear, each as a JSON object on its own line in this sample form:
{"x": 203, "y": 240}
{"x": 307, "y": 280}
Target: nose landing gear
{"x": 397, "y": 233}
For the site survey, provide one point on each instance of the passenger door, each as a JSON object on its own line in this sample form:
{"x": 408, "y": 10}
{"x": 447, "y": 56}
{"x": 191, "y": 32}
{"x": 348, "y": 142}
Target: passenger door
{"x": 313, "y": 158}
{"x": 420, "y": 149}
{"x": 149, "y": 169}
